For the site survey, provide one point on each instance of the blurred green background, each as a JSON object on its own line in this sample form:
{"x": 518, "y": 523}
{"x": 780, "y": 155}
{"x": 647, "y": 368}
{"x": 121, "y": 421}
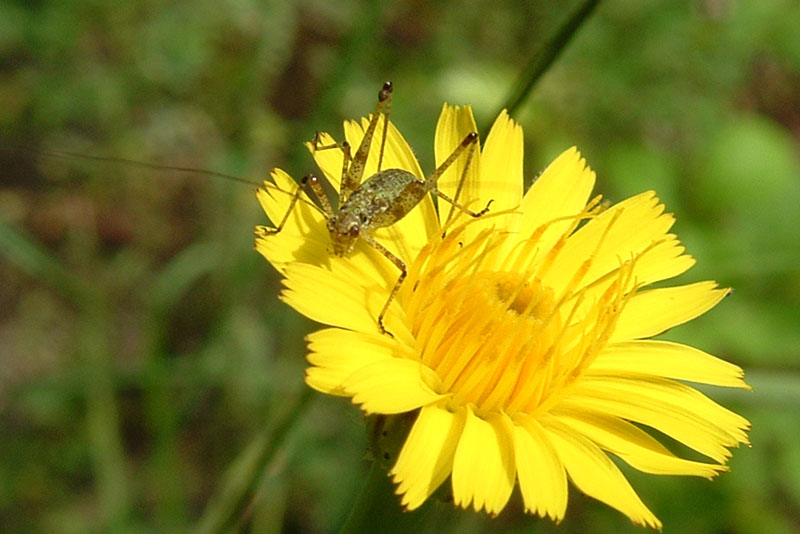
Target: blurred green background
{"x": 143, "y": 350}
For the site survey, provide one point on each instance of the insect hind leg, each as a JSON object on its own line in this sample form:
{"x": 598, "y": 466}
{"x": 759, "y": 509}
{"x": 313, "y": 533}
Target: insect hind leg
{"x": 461, "y": 207}
{"x": 468, "y": 144}
{"x": 351, "y": 179}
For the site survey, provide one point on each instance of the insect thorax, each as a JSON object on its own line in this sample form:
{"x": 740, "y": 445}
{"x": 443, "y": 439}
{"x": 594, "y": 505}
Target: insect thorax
{"x": 386, "y": 197}
{"x": 383, "y": 199}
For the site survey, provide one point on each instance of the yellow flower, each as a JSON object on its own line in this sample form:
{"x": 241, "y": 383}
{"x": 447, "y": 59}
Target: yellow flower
{"x": 520, "y": 337}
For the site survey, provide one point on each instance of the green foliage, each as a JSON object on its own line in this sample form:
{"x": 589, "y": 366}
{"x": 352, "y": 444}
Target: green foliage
{"x": 143, "y": 350}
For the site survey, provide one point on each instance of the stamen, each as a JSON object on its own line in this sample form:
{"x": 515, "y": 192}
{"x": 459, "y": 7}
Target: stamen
{"x": 500, "y": 340}
{"x": 522, "y": 261}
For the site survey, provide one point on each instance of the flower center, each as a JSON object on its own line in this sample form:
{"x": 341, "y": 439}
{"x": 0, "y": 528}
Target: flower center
{"x": 512, "y": 292}
{"x": 502, "y": 340}
{"x": 494, "y": 329}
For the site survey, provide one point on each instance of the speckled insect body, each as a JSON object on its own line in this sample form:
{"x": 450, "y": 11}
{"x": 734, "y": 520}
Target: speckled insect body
{"x": 380, "y": 201}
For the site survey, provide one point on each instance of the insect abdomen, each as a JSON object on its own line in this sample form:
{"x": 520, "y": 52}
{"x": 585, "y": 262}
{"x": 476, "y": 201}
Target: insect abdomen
{"x": 392, "y": 193}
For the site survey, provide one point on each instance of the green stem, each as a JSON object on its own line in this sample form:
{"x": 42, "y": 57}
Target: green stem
{"x": 378, "y": 508}
{"x": 244, "y": 476}
{"x": 102, "y": 417}
{"x": 546, "y": 55}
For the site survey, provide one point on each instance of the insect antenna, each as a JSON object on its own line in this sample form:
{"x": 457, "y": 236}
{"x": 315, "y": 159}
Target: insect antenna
{"x": 66, "y": 155}
{"x": 134, "y": 163}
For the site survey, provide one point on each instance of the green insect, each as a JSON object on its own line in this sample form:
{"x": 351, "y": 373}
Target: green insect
{"x": 382, "y": 199}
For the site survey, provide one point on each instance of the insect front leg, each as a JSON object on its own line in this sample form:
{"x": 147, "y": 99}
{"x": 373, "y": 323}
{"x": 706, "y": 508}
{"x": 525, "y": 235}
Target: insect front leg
{"x": 352, "y": 178}
{"x": 344, "y": 146}
{"x": 400, "y": 264}
{"x": 313, "y": 182}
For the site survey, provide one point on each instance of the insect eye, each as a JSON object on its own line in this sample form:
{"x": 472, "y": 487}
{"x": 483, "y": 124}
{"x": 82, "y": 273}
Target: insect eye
{"x": 363, "y": 219}
{"x": 353, "y": 231}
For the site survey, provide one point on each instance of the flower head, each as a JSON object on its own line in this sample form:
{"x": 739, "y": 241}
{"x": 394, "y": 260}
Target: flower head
{"x": 520, "y": 337}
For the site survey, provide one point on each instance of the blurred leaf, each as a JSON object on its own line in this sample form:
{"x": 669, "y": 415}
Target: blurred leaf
{"x": 749, "y": 182}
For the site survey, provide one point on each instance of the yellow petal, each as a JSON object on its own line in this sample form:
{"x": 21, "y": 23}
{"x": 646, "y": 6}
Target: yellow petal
{"x": 365, "y": 266}
{"x": 562, "y": 190}
{"x": 372, "y": 272}
{"x": 284, "y": 247}
{"x": 542, "y": 479}
{"x": 483, "y": 467}
{"x": 673, "y": 408}
{"x": 633, "y": 445}
{"x": 303, "y": 236}
{"x": 335, "y": 354}
{"x": 501, "y": 169}
{"x": 669, "y": 360}
{"x": 393, "y": 385}
{"x": 331, "y": 298}
{"x": 661, "y": 261}
{"x": 593, "y": 472}
{"x": 617, "y": 235}
{"x": 665, "y": 260}
{"x": 426, "y": 459}
{"x": 275, "y": 199}
{"x": 455, "y": 123}
{"x": 328, "y": 160}
{"x": 651, "y": 312}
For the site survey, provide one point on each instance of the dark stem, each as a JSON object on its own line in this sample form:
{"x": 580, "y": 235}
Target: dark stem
{"x": 546, "y": 55}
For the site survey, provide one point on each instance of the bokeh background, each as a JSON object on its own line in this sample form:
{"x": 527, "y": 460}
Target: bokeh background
{"x": 146, "y": 363}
